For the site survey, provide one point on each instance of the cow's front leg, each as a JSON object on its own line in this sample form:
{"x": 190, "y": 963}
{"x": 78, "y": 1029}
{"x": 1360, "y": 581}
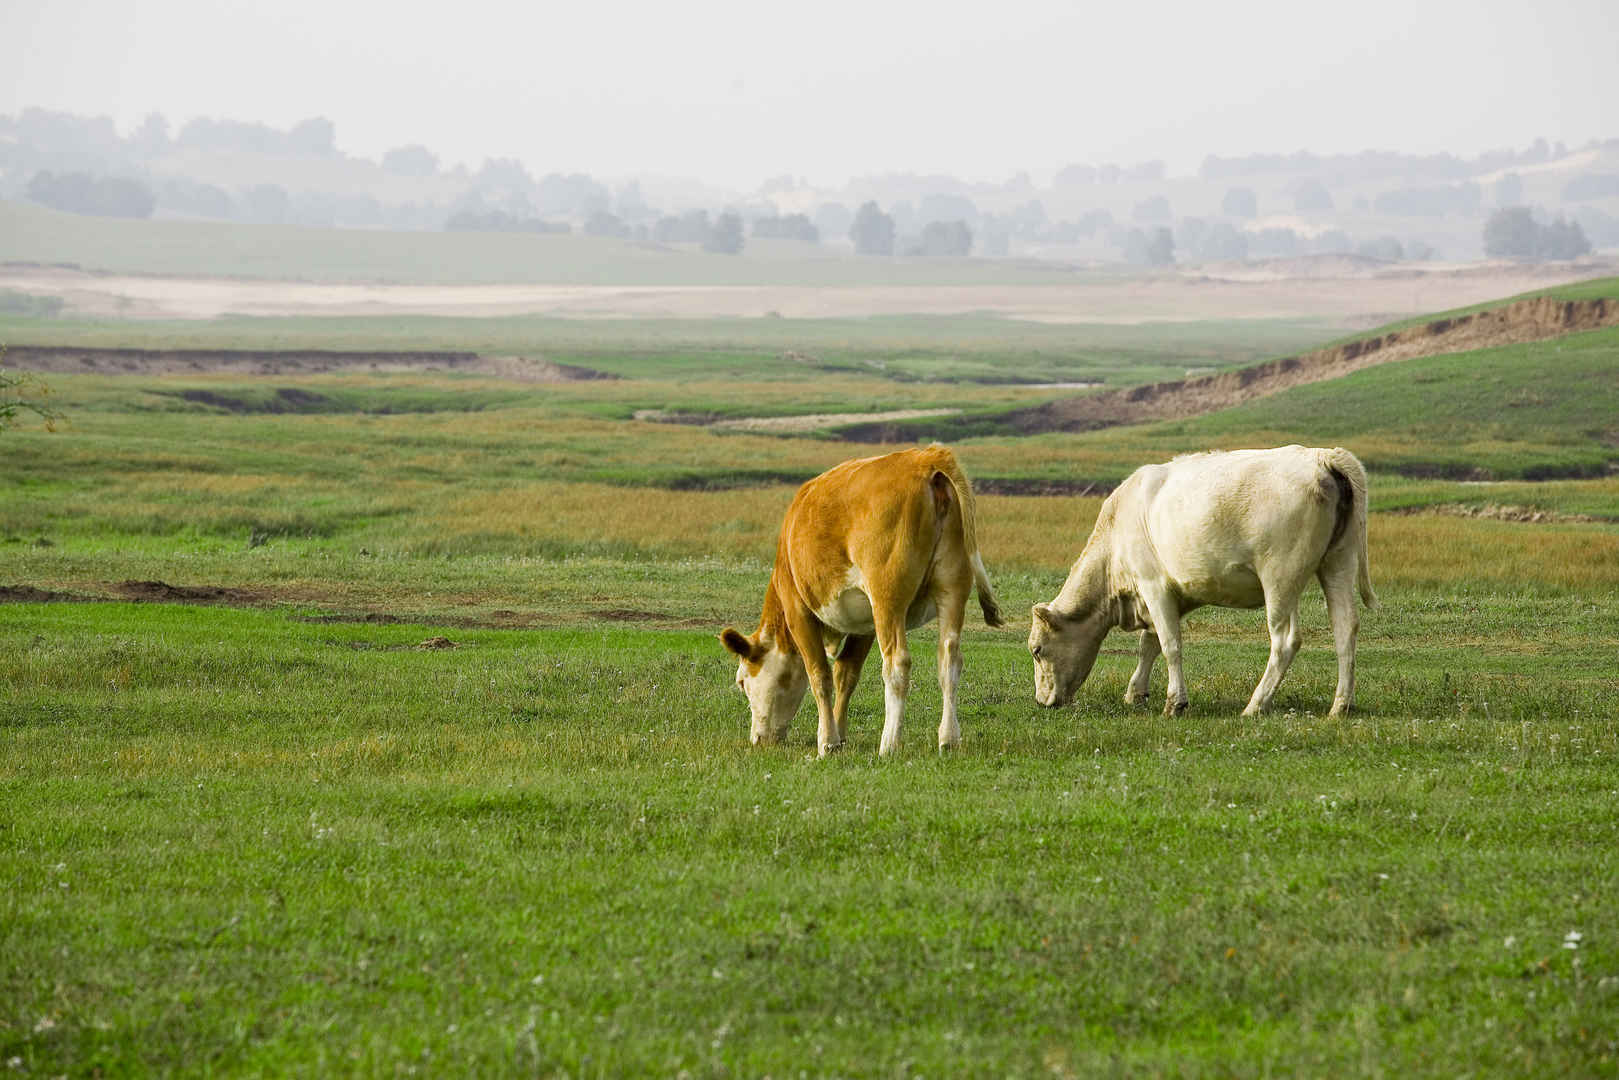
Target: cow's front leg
{"x": 851, "y": 658}
{"x": 812, "y": 645}
{"x": 1147, "y": 650}
{"x": 1166, "y": 620}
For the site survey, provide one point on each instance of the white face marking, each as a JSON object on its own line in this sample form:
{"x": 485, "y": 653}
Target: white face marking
{"x": 774, "y": 694}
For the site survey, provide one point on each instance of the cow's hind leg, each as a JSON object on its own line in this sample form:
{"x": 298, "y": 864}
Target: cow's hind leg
{"x": 952, "y": 613}
{"x": 1147, "y": 650}
{"x": 1338, "y": 584}
{"x": 845, "y": 674}
{"x": 1282, "y": 620}
{"x": 896, "y": 654}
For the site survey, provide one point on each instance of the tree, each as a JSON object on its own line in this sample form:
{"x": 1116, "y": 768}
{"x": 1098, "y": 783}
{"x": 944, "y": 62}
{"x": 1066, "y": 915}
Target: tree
{"x": 1384, "y": 247}
{"x": 152, "y": 137}
{"x": 1075, "y": 176}
{"x": 1590, "y": 186}
{"x": 601, "y": 223}
{"x": 788, "y": 227}
{"x": 692, "y": 227}
{"x": 316, "y": 137}
{"x": 24, "y": 393}
{"x": 1510, "y": 231}
{"x": 1152, "y": 208}
{"x": 1514, "y": 232}
{"x": 412, "y": 160}
{"x": 1225, "y": 241}
{"x": 1310, "y": 195}
{"x": 1155, "y": 247}
{"x": 1240, "y": 202}
{"x": 1562, "y": 240}
{"x": 725, "y": 238}
{"x": 102, "y": 196}
{"x": 872, "y": 231}
{"x": 1509, "y": 190}
{"x": 945, "y": 238}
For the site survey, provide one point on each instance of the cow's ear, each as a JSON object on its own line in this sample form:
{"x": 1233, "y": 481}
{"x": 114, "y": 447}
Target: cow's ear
{"x": 733, "y": 639}
{"x": 1043, "y": 615}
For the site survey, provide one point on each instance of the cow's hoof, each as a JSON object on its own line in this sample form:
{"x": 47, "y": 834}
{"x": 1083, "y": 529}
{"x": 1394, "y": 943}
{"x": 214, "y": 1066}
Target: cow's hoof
{"x": 1173, "y": 709}
{"x": 829, "y": 748}
{"x": 1135, "y": 699}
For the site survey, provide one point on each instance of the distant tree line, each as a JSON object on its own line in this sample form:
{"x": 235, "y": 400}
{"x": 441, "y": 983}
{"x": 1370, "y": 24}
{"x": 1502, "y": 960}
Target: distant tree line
{"x": 501, "y": 221}
{"x": 1591, "y": 186}
{"x": 83, "y": 193}
{"x": 1083, "y": 175}
{"x": 1430, "y": 201}
{"x": 1513, "y": 231}
{"x": 787, "y": 227}
{"x": 1341, "y": 169}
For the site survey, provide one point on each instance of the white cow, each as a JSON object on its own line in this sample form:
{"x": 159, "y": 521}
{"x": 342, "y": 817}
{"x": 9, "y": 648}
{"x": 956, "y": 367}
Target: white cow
{"x": 1240, "y": 529}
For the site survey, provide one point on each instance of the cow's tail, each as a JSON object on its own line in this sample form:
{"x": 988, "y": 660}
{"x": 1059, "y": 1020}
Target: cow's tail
{"x": 1350, "y": 481}
{"x": 950, "y": 468}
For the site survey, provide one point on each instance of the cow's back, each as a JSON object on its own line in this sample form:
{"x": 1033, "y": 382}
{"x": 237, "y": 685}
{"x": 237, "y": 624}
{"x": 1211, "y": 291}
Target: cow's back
{"x": 1209, "y": 516}
{"x": 868, "y": 511}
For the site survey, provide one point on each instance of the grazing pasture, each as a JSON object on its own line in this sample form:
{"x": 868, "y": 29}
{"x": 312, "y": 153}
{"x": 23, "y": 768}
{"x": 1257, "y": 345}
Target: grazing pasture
{"x": 359, "y": 740}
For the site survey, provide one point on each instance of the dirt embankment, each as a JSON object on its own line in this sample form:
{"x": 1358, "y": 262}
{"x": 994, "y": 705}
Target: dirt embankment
{"x": 75, "y": 360}
{"x": 1524, "y": 321}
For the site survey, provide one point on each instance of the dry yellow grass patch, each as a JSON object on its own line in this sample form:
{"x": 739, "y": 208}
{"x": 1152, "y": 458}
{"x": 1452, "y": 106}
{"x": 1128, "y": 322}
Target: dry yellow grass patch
{"x": 739, "y": 523}
{"x": 1026, "y": 532}
{"x": 1449, "y": 552}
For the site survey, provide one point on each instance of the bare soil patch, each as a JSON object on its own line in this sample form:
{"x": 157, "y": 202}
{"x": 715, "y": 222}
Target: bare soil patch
{"x": 783, "y": 425}
{"x": 75, "y": 360}
{"x": 1524, "y": 321}
{"x": 162, "y": 592}
{"x": 1521, "y": 515}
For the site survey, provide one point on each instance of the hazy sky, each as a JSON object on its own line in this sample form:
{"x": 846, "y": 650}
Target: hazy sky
{"x": 734, "y": 91}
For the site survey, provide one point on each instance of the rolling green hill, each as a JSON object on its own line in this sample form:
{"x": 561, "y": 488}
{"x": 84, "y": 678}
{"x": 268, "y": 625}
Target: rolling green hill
{"x": 1540, "y": 410}
{"x": 1529, "y": 411}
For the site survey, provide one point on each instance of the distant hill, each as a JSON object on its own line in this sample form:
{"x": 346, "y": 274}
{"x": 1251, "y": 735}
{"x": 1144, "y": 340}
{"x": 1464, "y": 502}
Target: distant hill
{"x": 1377, "y": 203}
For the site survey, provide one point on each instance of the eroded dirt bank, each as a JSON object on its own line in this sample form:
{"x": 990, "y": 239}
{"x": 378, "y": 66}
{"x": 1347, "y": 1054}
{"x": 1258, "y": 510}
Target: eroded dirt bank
{"x": 1524, "y": 321}
{"x": 75, "y": 360}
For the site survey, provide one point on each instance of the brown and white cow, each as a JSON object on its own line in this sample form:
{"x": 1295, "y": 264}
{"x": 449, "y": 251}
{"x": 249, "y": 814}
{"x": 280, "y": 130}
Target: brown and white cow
{"x": 1239, "y": 529}
{"x": 868, "y": 549}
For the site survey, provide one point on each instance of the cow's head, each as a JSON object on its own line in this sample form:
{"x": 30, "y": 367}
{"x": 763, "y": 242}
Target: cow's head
{"x": 1064, "y": 648}
{"x": 772, "y": 678}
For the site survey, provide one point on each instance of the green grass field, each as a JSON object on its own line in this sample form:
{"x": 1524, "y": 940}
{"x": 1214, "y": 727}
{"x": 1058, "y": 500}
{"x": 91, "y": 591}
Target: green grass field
{"x": 391, "y": 736}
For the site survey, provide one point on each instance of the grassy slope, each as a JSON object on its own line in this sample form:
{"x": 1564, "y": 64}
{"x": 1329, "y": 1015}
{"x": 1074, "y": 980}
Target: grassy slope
{"x": 1530, "y": 411}
{"x": 1533, "y": 411}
